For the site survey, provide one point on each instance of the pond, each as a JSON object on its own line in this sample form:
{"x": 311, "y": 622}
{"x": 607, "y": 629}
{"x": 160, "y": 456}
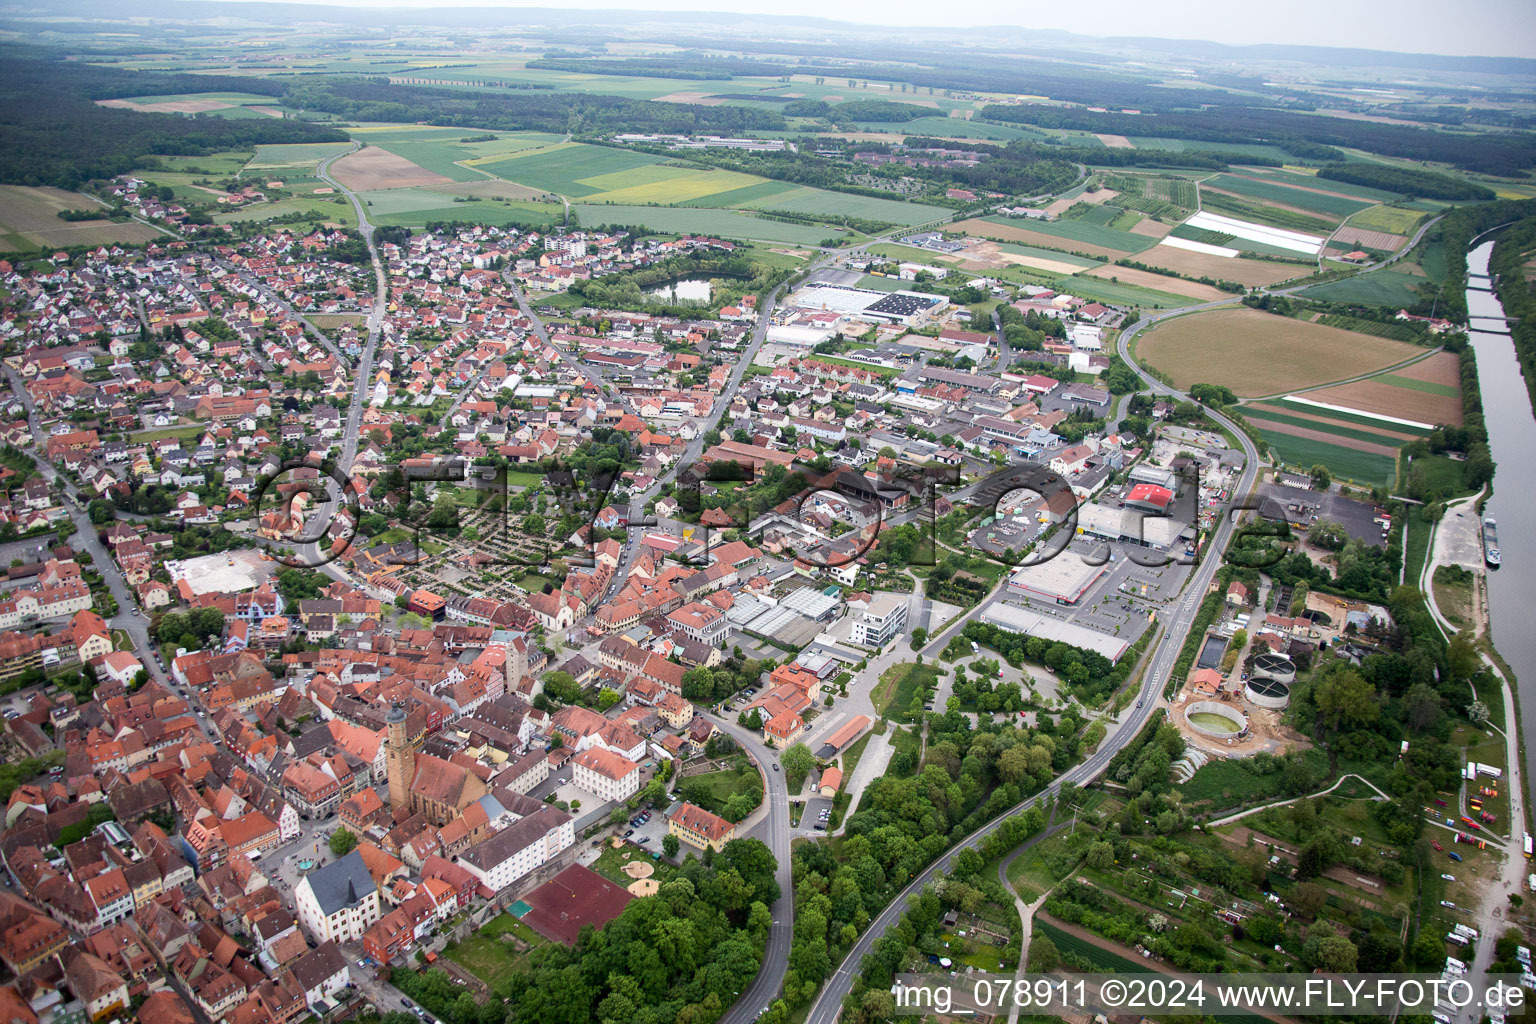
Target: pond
{"x": 683, "y": 289}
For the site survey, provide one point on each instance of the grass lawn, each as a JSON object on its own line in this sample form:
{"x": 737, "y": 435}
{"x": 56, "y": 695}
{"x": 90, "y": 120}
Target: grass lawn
{"x": 898, "y": 684}
{"x": 489, "y": 958}
{"x": 712, "y": 790}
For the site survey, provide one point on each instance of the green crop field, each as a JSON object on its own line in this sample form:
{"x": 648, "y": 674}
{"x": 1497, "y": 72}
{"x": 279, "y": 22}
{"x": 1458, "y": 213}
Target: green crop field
{"x": 691, "y": 220}
{"x": 1331, "y": 206}
{"x": 819, "y": 202}
{"x": 1344, "y": 463}
{"x": 747, "y": 195}
{"x": 1385, "y": 287}
{"x": 1427, "y": 386}
{"x": 498, "y": 212}
{"x": 223, "y": 162}
{"x": 663, "y": 184}
{"x": 881, "y": 284}
{"x": 1391, "y": 219}
{"x": 1120, "y": 294}
{"x": 951, "y": 128}
{"x": 299, "y": 154}
{"x": 1367, "y": 421}
{"x": 322, "y": 208}
{"x": 563, "y": 168}
{"x": 1078, "y": 231}
{"x": 1264, "y": 411}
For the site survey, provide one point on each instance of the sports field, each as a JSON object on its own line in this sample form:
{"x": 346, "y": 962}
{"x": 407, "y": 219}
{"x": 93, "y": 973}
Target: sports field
{"x": 1256, "y": 353}
{"x": 29, "y": 220}
{"x": 689, "y": 220}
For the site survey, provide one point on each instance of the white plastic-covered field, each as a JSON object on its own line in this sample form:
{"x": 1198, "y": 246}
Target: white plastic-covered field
{"x": 1295, "y": 241}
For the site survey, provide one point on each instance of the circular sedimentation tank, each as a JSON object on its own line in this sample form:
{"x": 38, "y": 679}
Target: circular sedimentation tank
{"x": 1275, "y": 666}
{"x": 1268, "y": 692}
{"x": 1217, "y": 720}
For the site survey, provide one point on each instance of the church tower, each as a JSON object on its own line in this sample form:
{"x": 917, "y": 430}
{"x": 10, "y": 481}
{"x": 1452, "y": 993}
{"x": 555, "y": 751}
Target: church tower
{"x": 400, "y": 758}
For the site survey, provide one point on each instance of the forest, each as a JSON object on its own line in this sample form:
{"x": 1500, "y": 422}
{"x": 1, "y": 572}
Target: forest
{"x": 374, "y": 99}
{"x": 1407, "y": 181}
{"x": 55, "y": 134}
{"x": 1307, "y": 136}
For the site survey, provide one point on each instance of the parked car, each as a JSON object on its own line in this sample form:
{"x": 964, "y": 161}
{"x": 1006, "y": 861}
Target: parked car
{"x": 1436, "y": 845}
{"x": 628, "y": 833}
{"x": 1456, "y": 856}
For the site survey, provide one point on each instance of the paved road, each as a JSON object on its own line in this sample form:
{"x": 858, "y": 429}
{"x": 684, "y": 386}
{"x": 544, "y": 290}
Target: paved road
{"x": 362, "y": 377}
{"x": 128, "y": 618}
{"x": 765, "y": 987}
{"x": 1159, "y": 666}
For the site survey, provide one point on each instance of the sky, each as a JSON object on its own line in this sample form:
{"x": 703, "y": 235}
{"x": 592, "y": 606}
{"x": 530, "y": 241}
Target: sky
{"x": 1500, "y": 28}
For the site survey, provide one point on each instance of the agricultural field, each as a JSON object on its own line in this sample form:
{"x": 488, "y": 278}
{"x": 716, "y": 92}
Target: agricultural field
{"x": 563, "y": 168}
{"x": 441, "y": 151}
{"x": 1045, "y": 259}
{"x": 331, "y": 210}
{"x": 373, "y": 168}
{"x": 415, "y": 207}
{"x": 303, "y": 156}
{"x": 220, "y": 104}
{"x": 1313, "y": 199}
{"x": 1348, "y": 433}
{"x": 1256, "y": 353}
{"x": 1402, "y": 395}
{"x": 1251, "y": 272}
{"x": 1396, "y": 285}
{"x": 687, "y": 220}
{"x": 1160, "y": 283}
{"x": 1013, "y": 230}
{"x": 1077, "y": 235}
{"x": 1289, "y": 218}
{"x": 817, "y": 202}
{"x": 1305, "y": 179}
{"x": 953, "y": 128}
{"x": 29, "y": 220}
{"x": 1393, "y": 220}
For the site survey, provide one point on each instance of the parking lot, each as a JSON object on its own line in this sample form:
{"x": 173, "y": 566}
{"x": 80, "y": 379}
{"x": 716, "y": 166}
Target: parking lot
{"x": 814, "y": 808}
{"x": 647, "y": 836}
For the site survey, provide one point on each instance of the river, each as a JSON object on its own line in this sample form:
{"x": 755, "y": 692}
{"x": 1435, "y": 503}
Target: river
{"x": 1511, "y": 426}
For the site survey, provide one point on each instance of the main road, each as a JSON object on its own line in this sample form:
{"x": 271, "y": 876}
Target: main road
{"x": 1160, "y": 661}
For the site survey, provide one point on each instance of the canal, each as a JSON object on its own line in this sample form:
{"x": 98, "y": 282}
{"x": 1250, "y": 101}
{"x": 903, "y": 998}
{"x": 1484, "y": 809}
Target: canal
{"x": 1511, "y": 427}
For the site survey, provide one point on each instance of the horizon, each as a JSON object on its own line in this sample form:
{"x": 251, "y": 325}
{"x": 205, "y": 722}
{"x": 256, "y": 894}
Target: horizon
{"x": 1483, "y": 30}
